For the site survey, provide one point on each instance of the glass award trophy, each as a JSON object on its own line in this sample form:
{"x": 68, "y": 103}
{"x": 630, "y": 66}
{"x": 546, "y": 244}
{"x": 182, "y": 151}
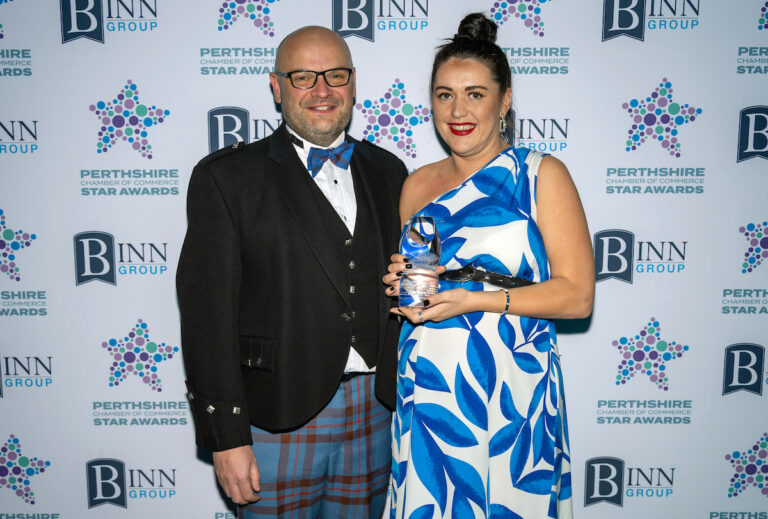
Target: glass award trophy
{"x": 420, "y": 243}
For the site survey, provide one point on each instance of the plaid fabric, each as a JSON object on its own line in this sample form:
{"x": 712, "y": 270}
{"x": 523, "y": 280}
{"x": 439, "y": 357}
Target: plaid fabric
{"x": 335, "y": 466}
{"x": 340, "y": 155}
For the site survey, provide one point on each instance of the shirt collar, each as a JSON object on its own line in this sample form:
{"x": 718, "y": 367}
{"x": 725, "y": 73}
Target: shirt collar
{"x": 303, "y": 152}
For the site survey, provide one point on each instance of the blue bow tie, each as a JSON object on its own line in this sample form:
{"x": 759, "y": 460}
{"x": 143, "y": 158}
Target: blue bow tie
{"x": 340, "y": 155}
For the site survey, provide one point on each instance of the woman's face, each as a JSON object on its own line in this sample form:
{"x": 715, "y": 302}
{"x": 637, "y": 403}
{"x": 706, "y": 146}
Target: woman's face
{"x": 467, "y": 104}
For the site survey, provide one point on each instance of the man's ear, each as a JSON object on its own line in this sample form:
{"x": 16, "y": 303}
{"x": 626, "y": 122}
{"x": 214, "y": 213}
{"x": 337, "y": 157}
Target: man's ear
{"x": 275, "y": 87}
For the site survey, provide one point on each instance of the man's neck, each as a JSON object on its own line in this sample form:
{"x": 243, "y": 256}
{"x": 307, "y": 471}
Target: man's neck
{"x": 338, "y": 140}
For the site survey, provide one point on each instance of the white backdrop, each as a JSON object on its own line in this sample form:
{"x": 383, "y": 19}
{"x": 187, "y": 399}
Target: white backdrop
{"x": 670, "y": 229}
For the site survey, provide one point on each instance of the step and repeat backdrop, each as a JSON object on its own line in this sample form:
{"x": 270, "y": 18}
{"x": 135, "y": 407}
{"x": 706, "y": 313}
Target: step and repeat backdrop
{"x": 658, "y": 107}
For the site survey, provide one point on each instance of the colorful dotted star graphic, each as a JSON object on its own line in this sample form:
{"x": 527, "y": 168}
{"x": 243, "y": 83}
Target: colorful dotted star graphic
{"x": 256, "y": 10}
{"x": 751, "y": 468}
{"x": 391, "y": 116}
{"x": 755, "y": 234}
{"x": 657, "y": 118}
{"x": 762, "y": 22}
{"x": 126, "y": 118}
{"x": 648, "y": 354}
{"x": 10, "y": 243}
{"x": 16, "y": 469}
{"x": 1, "y": 25}
{"x": 135, "y": 354}
{"x": 529, "y": 11}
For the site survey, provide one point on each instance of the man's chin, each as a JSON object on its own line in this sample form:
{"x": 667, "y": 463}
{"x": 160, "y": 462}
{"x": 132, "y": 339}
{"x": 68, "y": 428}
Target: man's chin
{"x": 324, "y": 133}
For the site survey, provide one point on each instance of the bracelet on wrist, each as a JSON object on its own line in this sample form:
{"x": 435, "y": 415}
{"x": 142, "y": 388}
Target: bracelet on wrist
{"x": 506, "y": 305}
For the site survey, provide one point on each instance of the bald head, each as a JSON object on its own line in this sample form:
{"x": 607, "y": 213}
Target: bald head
{"x": 311, "y": 37}
{"x": 318, "y": 113}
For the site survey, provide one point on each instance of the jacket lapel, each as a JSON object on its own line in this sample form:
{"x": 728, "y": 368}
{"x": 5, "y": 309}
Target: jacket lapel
{"x": 296, "y": 187}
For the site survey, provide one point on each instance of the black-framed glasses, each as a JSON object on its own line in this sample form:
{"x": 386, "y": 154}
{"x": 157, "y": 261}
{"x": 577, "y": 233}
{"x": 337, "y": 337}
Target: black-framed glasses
{"x": 305, "y": 79}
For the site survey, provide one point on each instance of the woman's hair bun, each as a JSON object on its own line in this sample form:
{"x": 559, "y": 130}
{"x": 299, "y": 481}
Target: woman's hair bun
{"x": 476, "y": 26}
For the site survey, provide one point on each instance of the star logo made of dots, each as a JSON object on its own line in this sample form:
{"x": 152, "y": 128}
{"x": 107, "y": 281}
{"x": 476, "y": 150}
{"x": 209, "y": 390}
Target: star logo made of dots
{"x": 647, "y": 354}
{"x": 762, "y": 21}
{"x": 126, "y": 118}
{"x": 657, "y": 118}
{"x": 757, "y": 239}
{"x": 529, "y": 11}
{"x": 137, "y": 355}
{"x": 393, "y": 118}
{"x": 16, "y": 469}
{"x": 3, "y": 2}
{"x": 11, "y": 242}
{"x": 750, "y": 468}
{"x": 257, "y": 11}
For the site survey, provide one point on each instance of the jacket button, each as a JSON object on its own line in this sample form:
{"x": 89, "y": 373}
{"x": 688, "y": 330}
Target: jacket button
{"x": 259, "y": 362}
{"x": 352, "y": 264}
{"x": 348, "y": 242}
{"x": 346, "y": 317}
{"x": 351, "y": 289}
{"x": 352, "y": 339}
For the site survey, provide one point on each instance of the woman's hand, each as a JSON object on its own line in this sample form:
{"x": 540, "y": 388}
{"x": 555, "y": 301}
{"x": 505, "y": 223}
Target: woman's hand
{"x": 395, "y": 270}
{"x": 451, "y": 303}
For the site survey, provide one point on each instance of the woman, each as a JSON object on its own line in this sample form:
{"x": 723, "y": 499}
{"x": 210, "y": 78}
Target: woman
{"x": 480, "y": 427}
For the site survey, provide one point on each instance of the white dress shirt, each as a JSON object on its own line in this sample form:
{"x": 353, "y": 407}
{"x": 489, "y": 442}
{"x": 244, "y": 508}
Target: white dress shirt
{"x": 336, "y": 184}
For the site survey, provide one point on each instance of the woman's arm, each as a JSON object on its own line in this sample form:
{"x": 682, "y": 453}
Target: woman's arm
{"x": 569, "y": 292}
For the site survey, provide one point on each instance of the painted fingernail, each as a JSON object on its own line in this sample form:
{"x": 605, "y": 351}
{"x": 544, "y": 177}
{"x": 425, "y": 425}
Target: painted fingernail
{"x": 399, "y": 273}
{"x": 406, "y": 259}
{"x": 408, "y": 266}
{"x": 426, "y": 302}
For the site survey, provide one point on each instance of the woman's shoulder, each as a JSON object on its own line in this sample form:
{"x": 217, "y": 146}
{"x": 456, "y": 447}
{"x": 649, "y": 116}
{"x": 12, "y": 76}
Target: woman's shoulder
{"x": 418, "y": 186}
{"x": 423, "y": 175}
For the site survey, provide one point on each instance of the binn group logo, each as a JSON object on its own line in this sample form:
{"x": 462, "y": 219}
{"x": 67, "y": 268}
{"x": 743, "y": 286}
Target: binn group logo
{"x": 126, "y": 118}
{"x": 753, "y": 133}
{"x": 11, "y": 243}
{"x": 25, "y": 373}
{"x": 610, "y": 480}
{"x": 136, "y": 354}
{"x": 619, "y": 255}
{"x": 744, "y": 369}
{"x": 362, "y": 17}
{"x": 228, "y": 125}
{"x": 256, "y": 12}
{"x": 546, "y": 134}
{"x": 657, "y": 118}
{"x": 99, "y": 258}
{"x": 17, "y": 469}
{"x": 527, "y": 11}
{"x": 90, "y": 19}
{"x": 757, "y": 245}
{"x": 632, "y": 17}
{"x": 18, "y": 137}
{"x": 750, "y": 468}
{"x": 393, "y": 118}
{"x": 762, "y": 20}
{"x": 109, "y": 482}
{"x": 646, "y": 353}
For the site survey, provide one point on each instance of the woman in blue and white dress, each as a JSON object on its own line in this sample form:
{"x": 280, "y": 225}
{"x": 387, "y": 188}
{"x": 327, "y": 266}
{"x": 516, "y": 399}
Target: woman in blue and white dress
{"x": 480, "y": 427}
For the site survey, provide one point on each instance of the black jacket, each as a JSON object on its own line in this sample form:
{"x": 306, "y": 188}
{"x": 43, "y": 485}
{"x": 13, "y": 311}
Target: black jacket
{"x": 263, "y": 300}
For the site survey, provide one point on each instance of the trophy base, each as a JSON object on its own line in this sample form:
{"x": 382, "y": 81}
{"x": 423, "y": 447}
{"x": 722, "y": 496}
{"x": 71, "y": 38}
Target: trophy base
{"x": 416, "y": 286}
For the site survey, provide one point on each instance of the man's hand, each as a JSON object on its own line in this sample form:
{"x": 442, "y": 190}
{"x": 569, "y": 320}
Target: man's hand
{"x": 238, "y": 474}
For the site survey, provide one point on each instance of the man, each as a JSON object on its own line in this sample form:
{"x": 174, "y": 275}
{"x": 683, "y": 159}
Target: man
{"x": 284, "y": 317}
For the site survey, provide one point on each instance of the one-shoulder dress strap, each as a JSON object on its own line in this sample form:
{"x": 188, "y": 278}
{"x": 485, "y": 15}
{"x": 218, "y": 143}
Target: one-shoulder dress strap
{"x": 532, "y": 162}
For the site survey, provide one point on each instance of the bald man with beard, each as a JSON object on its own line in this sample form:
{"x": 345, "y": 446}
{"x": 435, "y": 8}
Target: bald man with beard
{"x": 289, "y": 346}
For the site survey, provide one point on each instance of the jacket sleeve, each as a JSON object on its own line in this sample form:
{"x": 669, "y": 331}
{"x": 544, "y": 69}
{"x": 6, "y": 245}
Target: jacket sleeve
{"x": 208, "y": 288}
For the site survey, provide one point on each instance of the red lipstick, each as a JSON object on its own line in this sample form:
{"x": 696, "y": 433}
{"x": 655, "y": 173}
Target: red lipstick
{"x": 461, "y": 129}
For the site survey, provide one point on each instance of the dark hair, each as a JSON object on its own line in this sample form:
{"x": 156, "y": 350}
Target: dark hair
{"x": 476, "y": 40}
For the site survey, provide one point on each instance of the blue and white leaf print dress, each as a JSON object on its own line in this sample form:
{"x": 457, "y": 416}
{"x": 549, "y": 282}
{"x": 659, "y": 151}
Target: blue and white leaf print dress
{"x": 480, "y": 427}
